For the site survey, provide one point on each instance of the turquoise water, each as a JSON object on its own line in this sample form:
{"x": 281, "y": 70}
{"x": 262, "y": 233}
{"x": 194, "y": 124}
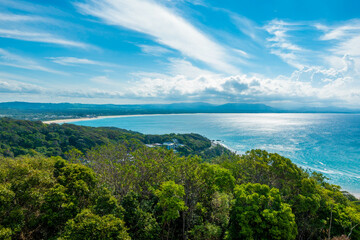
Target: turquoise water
{"x": 327, "y": 143}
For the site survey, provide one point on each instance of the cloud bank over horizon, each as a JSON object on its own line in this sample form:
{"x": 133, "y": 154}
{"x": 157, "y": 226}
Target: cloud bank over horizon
{"x": 143, "y": 51}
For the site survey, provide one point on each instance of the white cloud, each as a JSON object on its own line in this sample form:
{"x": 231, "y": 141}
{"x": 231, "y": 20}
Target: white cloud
{"x": 9, "y": 86}
{"x": 323, "y": 74}
{"x": 19, "y": 18}
{"x": 88, "y": 93}
{"x": 164, "y": 25}
{"x": 350, "y": 46}
{"x": 176, "y": 67}
{"x": 14, "y": 60}
{"x": 72, "y": 61}
{"x": 194, "y": 2}
{"x": 104, "y": 80}
{"x": 335, "y": 42}
{"x": 29, "y": 6}
{"x": 310, "y": 84}
{"x": 350, "y": 28}
{"x": 15, "y": 77}
{"x": 186, "y": 68}
{"x": 280, "y": 42}
{"x": 248, "y": 27}
{"x": 154, "y": 50}
{"x": 39, "y": 37}
{"x": 242, "y": 53}
{"x": 344, "y": 39}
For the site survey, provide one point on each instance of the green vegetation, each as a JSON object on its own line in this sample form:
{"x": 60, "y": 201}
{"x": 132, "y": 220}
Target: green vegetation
{"x": 19, "y": 137}
{"x": 117, "y": 188}
{"x": 259, "y": 213}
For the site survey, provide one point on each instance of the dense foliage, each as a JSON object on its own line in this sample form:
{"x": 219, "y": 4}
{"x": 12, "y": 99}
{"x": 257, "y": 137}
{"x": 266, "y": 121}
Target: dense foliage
{"x": 19, "y": 137}
{"x": 47, "y": 198}
{"x": 117, "y": 191}
{"x": 259, "y": 213}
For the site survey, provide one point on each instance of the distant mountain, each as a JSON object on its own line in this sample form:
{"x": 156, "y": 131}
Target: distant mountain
{"x": 248, "y": 108}
{"x": 324, "y": 110}
{"x": 48, "y": 111}
{"x": 197, "y": 107}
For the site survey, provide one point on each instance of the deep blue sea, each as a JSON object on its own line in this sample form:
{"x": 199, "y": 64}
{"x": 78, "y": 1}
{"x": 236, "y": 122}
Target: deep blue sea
{"x": 327, "y": 143}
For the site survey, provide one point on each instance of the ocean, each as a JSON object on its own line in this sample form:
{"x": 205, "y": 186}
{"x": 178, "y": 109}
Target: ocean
{"x": 326, "y": 143}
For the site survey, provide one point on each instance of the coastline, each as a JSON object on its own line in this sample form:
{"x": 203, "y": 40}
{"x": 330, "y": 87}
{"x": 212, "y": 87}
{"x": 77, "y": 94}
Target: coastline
{"x": 67, "y": 120}
{"x": 59, "y": 121}
{"x": 219, "y": 142}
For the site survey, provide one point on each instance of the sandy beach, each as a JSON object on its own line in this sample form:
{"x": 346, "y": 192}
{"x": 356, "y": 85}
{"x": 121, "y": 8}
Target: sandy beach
{"x": 59, "y": 121}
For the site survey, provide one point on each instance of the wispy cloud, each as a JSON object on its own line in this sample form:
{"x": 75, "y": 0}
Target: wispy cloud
{"x": 194, "y": 2}
{"x": 345, "y": 30}
{"x": 346, "y": 37}
{"x": 34, "y": 23}
{"x": 288, "y": 41}
{"x": 153, "y": 50}
{"x": 8, "y": 86}
{"x": 29, "y": 6}
{"x": 350, "y": 46}
{"x": 20, "y": 18}
{"x": 73, "y": 61}
{"x": 280, "y": 42}
{"x": 90, "y": 93}
{"x": 104, "y": 80}
{"x": 40, "y": 37}
{"x": 14, "y": 60}
{"x": 164, "y": 25}
{"x": 310, "y": 85}
{"x": 247, "y": 26}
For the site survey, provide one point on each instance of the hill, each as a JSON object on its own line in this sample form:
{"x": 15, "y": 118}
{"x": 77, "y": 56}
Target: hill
{"x": 21, "y": 137}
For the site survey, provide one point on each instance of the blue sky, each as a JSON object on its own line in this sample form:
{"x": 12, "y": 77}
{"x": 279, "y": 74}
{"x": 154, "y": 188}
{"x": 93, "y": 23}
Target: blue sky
{"x": 281, "y": 53}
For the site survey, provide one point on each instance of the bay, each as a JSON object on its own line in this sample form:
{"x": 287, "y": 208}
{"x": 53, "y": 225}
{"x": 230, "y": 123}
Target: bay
{"x": 327, "y": 143}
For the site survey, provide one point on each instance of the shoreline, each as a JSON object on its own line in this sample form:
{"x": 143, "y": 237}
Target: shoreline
{"x": 67, "y": 120}
{"x": 219, "y": 142}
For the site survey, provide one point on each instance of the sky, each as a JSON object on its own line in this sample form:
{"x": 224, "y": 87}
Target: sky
{"x": 285, "y": 54}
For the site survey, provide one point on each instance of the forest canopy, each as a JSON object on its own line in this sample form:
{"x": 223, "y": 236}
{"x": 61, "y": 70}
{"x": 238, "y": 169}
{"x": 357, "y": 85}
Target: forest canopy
{"x": 19, "y": 137}
{"x": 114, "y": 187}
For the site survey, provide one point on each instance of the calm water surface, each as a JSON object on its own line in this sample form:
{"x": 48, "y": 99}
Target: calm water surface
{"x": 327, "y": 143}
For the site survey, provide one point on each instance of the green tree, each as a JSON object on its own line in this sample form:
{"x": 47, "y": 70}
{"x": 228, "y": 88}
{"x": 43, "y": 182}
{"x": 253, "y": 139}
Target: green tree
{"x": 87, "y": 225}
{"x": 170, "y": 197}
{"x": 220, "y": 209}
{"x": 171, "y": 202}
{"x": 206, "y": 231}
{"x": 139, "y": 217}
{"x": 216, "y": 178}
{"x": 23, "y": 184}
{"x": 106, "y": 204}
{"x": 259, "y": 213}
{"x": 73, "y": 191}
